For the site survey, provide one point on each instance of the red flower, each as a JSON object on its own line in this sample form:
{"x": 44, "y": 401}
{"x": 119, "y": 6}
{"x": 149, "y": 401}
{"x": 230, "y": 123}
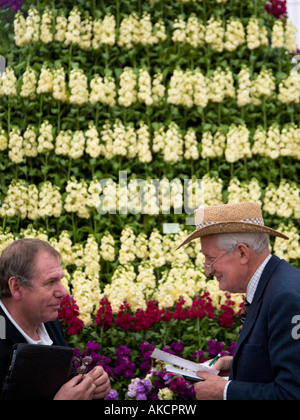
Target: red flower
{"x": 69, "y": 316}
{"x": 277, "y": 8}
{"x": 202, "y": 306}
{"x": 145, "y": 319}
{"x": 181, "y": 313}
{"x": 226, "y": 318}
{"x": 104, "y": 314}
{"x": 124, "y": 318}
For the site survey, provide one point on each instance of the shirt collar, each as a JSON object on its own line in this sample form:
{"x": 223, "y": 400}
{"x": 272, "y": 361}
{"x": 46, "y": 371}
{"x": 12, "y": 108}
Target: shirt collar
{"x": 253, "y": 283}
{"x": 42, "y": 332}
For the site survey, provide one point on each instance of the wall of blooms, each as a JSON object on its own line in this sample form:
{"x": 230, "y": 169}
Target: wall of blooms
{"x": 173, "y": 91}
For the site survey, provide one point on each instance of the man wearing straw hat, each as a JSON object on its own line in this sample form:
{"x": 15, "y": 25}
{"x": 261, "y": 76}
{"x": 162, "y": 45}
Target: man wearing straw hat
{"x": 266, "y": 363}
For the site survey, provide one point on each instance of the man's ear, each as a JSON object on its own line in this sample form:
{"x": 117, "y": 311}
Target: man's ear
{"x": 244, "y": 253}
{"x": 15, "y": 288}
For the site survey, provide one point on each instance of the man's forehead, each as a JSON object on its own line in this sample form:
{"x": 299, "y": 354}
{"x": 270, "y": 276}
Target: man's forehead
{"x": 47, "y": 262}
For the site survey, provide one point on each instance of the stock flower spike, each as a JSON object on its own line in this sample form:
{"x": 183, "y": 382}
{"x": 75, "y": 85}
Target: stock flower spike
{"x": 183, "y": 129}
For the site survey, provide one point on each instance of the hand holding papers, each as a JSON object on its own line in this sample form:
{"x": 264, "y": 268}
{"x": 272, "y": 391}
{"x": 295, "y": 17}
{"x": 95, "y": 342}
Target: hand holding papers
{"x": 189, "y": 370}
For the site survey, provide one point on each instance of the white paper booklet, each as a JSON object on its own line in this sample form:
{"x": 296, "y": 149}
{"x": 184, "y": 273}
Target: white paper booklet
{"x": 189, "y": 370}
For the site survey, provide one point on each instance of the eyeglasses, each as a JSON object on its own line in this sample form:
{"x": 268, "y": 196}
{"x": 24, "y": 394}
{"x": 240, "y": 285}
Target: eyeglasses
{"x": 209, "y": 266}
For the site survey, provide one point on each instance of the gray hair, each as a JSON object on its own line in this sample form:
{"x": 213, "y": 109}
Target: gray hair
{"x": 258, "y": 242}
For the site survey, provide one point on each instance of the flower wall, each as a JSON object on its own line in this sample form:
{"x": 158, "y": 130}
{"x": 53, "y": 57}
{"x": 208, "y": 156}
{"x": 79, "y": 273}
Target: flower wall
{"x": 110, "y": 115}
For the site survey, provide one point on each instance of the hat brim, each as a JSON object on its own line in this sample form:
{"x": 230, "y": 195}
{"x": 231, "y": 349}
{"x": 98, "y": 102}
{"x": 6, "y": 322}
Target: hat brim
{"x": 231, "y": 227}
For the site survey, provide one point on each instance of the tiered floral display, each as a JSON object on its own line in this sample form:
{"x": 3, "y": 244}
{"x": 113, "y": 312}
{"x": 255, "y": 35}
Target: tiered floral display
{"x": 117, "y": 119}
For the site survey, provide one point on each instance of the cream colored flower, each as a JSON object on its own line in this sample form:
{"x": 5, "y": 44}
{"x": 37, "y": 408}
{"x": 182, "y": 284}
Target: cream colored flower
{"x": 60, "y": 28}
{"x": 128, "y": 88}
{"x": 32, "y": 25}
{"x": 3, "y": 140}
{"x": 107, "y": 247}
{"x": 46, "y": 26}
{"x": 30, "y": 142}
{"x": 73, "y": 27}
{"x": 29, "y": 82}
{"x": 93, "y": 147}
{"x": 9, "y": 82}
{"x": 20, "y": 30}
{"x": 79, "y": 87}
{"x": 214, "y": 35}
{"x": 45, "y": 138}
{"x": 235, "y": 34}
{"x": 45, "y": 83}
{"x": 15, "y": 146}
{"x": 77, "y": 145}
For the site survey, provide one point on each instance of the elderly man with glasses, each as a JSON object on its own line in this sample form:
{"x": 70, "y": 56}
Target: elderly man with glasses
{"x": 235, "y": 243}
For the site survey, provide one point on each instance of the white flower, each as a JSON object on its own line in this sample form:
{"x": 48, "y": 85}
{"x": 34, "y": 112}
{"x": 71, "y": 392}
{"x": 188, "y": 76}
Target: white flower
{"x": 32, "y": 25}
{"x": 15, "y": 146}
{"x": 127, "y": 249}
{"x": 244, "y": 87}
{"x": 20, "y": 30}
{"x": 45, "y": 83}
{"x": 107, "y": 247}
{"x": 73, "y": 27}
{"x": 29, "y": 142}
{"x": 86, "y": 33}
{"x": 63, "y": 143}
{"x": 60, "y": 28}
{"x": 28, "y": 84}
{"x": 143, "y": 143}
{"x": 59, "y": 85}
{"x": 238, "y": 145}
{"x": 45, "y": 138}
{"x": 235, "y": 34}
{"x": 278, "y": 34}
{"x": 3, "y": 140}
{"x": 215, "y": 34}
{"x": 77, "y": 145}
{"x": 50, "y": 200}
{"x": 104, "y": 31}
{"x": 79, "y": 87}
{"x": 263, "y": 86}
{"x": 46, "y": 25}
{"x": 144, "y": 92}
{"x": 128, "y": 88}
{"x": 93, "y": 147}
{"x": 9, "y": 82}
{"x": 256, "y": 36}
{"x": 191, "y": 145}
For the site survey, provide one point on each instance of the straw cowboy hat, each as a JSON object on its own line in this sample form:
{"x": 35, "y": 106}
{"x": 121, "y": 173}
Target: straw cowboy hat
{"x": 229, "y": 218}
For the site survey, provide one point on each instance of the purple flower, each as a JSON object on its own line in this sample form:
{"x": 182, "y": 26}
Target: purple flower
{"x": 92, "y": 346}
{"x": 113, "y": 395}
{"x": 214, "y": 347}
{"x": 141, "y": 397}
{"x": 123, "y": 350}
{"x": 198, "y": 355}
{"x": 231, "y": 349}
{"x": 14, "y": 4}
{"x": 139, "y": 388}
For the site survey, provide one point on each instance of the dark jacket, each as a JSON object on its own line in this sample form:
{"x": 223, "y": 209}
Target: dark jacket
{"x": 266, "y": 362}
{"x": 13, "y": 336}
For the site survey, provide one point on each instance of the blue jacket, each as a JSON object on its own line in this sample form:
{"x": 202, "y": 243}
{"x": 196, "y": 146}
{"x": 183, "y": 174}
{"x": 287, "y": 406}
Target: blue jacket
{"x": 266, "y": 364}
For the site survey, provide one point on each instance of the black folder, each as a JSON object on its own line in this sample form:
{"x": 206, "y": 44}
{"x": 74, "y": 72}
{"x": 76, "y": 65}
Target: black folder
{"x": 37, "y": 372}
